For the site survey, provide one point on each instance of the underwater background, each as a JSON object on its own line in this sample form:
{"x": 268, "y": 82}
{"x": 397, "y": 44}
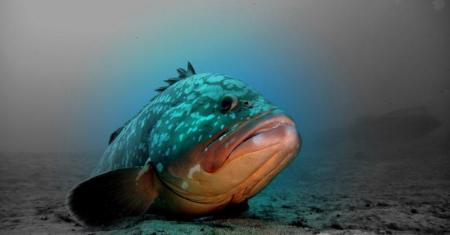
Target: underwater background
{"x": 367, "y": 82}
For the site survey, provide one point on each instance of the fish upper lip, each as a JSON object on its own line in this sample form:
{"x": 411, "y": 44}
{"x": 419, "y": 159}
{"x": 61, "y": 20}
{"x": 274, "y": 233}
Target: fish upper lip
{"x": 230, "y": 131}
{"x": 217, "y": 154}
{"x": 220, "y": 135}
{"x": 257, "y": 132}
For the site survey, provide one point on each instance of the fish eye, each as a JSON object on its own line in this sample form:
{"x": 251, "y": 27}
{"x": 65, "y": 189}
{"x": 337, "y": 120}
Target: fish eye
{"x": 228, "y": 103}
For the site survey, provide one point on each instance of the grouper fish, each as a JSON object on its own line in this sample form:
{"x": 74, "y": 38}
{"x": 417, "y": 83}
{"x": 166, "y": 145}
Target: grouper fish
{"x": 206, "y": 142}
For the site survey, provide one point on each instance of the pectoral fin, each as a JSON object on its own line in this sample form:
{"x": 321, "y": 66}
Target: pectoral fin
{"x": 113, "y": 195}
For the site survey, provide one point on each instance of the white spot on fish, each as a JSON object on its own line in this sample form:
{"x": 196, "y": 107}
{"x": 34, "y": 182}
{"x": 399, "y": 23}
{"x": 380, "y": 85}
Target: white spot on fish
{"x": 184, "y": 185}
{"x": 258, "y": 140}
{"x": 193, "y": 170}
{"x": 209, "y": 117}
{"x": 191, "y": 97}
{"x": 159, "y": 167}
{"x": 214, "y": 79}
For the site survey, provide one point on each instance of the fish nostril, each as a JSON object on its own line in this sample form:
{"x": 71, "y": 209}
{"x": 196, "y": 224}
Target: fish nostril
{"x": 247, "y": 103}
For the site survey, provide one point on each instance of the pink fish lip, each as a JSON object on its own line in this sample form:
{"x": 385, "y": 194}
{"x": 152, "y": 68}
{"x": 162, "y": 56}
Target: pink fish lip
{"x": 227, "y": 145}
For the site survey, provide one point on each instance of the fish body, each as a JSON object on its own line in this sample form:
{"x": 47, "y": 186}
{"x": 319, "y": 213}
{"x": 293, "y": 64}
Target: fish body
{"x": 204, "y": 143}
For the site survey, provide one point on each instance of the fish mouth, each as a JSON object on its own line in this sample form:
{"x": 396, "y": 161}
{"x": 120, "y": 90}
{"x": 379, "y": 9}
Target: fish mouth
{"x": 256, "y": 134}
{"x": 237, "y": 162}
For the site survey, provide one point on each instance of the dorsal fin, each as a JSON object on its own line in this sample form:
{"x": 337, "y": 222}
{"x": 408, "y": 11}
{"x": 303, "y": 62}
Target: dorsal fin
{"x": 114, "y": 135}
{"x": 182, "y": 74}
{"x": 161, "y": 89}
{"x": 171, "y": 81}
{"x": 190, "y": 68}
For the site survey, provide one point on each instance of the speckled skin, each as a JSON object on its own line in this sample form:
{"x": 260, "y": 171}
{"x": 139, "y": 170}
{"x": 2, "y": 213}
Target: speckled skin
{"x": 177, "y": 119}
{"x": 205, "y": 143}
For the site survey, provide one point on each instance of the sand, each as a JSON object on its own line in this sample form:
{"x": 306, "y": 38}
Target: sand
{"x": 352, "y": 185}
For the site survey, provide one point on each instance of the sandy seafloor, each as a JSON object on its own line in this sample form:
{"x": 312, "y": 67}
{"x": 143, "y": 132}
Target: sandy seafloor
{"x": 395, "y": 181}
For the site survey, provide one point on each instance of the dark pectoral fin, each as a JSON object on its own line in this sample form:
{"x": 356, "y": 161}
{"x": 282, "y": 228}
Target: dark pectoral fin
{"x": 113, "y": 195}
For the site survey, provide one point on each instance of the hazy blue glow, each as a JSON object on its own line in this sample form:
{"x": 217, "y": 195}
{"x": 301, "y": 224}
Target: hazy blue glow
{"x": 278, "y": 71}
{"x": 71, "y": 72}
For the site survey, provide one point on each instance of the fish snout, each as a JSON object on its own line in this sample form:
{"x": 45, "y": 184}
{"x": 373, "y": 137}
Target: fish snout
{"x": 264, "y": 134}
{"x": 277, "y": 133}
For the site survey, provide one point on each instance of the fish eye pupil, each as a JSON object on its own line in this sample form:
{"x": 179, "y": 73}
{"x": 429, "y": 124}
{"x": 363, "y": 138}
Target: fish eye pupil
{"x": 228, "y": 103}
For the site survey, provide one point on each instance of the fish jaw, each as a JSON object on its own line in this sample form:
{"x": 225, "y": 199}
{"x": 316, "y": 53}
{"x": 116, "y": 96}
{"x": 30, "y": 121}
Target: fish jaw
{"x": 264, "y": 148}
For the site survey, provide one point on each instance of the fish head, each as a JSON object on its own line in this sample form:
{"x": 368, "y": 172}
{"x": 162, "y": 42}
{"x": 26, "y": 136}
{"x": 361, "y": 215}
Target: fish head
{"x": 220, "y": 141}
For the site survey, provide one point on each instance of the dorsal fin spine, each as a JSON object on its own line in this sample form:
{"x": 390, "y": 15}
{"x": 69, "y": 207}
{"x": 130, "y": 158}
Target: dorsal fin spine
{"x": 182, "y": 74}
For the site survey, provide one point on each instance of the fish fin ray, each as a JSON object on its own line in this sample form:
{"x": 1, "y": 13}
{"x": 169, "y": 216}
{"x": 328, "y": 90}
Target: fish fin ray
{"x": 190, "y": 69}
{"x": 161, "y": 89}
